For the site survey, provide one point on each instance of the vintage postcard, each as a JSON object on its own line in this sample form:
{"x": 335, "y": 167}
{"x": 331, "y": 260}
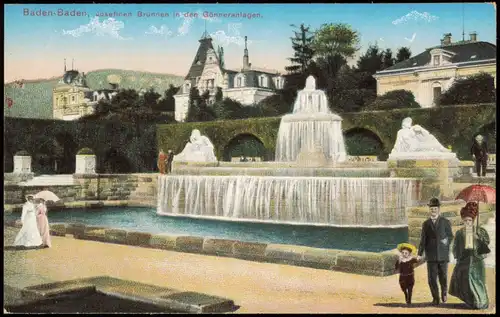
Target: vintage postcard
{"x": 250, "y": 158}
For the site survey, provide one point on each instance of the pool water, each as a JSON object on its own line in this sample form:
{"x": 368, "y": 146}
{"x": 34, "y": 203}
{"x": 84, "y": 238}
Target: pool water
{"x": 146, "y": 220}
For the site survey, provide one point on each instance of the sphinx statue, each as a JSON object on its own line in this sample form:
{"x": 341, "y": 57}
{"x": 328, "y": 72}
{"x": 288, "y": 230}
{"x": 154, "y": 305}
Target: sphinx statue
{"x": 413, "y": 141}
{"x": 198, "y": 149}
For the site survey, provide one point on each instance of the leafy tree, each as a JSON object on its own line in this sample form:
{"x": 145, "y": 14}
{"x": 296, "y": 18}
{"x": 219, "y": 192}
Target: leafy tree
{"x": 194, "y": 105}
{"x": 369, "y": 63}
{"x": 218, "y": 94}
{"x": 479, "y": 88}
{"x": 150, "y": 99}
{"x": 167, "y": 103}
{"x": 303, "y": 52}
{"x": 228, "y": 109}
{"x": 388, "y": 60}
{"x": 396, "y": 99}
{"x": 403, "y": 54}
{"x": 333, "y": 44}
{"x": 349, "y": 97}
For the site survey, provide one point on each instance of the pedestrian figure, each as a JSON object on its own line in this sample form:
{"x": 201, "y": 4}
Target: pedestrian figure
{"x": 170, "y": 159}
{"x": 29, "y": 235}
{"x": 43, "y": 223}
{"x": 468, "y": 281}
{"x": 161, "y": 161}
{"x": 405, "y": 265}
{"x": 479, "y": 151}
{"x": 435, "y": 243}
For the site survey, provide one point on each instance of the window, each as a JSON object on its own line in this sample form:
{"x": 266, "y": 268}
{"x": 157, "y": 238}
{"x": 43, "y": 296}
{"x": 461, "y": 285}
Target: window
{"x": 261, "y": 81}
{"x": 436, "y": 93}
{"x": 72, "y": 98}
{"x": 436, "y": 60}
{"x": 238, "y": 82}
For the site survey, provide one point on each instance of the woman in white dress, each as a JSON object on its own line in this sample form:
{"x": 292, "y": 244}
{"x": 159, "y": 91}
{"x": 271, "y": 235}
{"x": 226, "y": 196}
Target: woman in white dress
{"x": 28, "y": 236}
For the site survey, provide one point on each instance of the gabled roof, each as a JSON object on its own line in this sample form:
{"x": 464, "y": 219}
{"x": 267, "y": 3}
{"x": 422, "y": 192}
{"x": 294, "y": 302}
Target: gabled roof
{"x": 463, "y": 52}
{"x": 198, "y": 64}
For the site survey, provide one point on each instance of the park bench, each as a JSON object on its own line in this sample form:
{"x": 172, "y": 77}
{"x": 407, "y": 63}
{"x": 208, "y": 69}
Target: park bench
{"x": 362, "y": 158}
{"x": 492, "y": 163}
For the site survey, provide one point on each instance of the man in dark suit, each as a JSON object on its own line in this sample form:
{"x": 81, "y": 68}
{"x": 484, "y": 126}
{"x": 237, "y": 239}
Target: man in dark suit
{"x": 479, "y": 152}
{"x": 435, "y": 243}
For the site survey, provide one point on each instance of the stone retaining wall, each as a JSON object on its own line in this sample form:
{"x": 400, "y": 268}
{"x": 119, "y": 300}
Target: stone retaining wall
{"x": 95, "y": 187}
{"x": 366, "y": 263}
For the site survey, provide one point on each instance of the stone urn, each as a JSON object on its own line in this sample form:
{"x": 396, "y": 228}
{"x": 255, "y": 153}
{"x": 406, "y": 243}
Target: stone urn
{"x": 22, "y": 163}
{"x": 85, "y": 161}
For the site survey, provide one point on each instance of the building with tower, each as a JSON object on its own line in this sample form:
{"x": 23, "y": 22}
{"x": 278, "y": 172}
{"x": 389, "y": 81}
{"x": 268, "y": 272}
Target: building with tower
{"x": 248, "y": 85}
{"x": 72, "y": 98}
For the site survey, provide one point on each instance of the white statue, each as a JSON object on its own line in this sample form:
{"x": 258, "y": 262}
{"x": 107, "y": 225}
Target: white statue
{"x": 416, "y": 139}
{"x": 199, "y": 149}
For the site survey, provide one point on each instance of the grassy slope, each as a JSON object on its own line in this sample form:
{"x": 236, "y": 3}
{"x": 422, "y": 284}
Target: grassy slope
{"x": 35, "y": 99}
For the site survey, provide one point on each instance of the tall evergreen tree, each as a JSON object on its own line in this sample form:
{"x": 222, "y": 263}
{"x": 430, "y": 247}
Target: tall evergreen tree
{"x": 388, "y": 60}
{"x": 369, "y": 63}
{"x": 303, "y": 52}
{"x": 194, "y": 105}
{"x": 404, "y": 53}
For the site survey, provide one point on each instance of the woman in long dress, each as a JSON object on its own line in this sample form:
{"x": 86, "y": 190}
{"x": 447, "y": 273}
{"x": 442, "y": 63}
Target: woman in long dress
{"x": 43, "y": 223}
{"x": 28, "y": 236}
{"x": 470, "y": 247}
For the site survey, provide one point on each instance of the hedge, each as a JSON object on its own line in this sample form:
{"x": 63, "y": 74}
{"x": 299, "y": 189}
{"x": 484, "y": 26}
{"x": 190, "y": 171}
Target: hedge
{"x": 453, "y": 125}
{"x": 85, "y": 151}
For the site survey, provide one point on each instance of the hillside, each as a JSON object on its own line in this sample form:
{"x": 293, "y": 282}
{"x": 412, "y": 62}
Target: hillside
{"x": 35, "y": 99}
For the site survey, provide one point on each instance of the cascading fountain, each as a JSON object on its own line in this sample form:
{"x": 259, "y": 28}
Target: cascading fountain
{"x": 310, "y": 128}
{"x": 295, "y": 197}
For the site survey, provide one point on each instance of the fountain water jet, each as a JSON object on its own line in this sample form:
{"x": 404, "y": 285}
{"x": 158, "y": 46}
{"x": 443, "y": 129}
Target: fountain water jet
{"x": 311, "y": 126}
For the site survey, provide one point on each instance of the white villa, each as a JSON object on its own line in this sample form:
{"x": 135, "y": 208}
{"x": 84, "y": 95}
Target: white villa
{"x": 430, "y": 73}
{"x": 247, "y": 85}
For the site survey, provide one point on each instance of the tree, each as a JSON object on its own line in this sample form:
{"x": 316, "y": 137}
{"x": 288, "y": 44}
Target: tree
{"x": 395, "y": 99}
{"x": 369, "y": 63}
{"x": 303, "y": 52}
{"x": 167, "y": 103}
{"x": 479, "y": 88}
{"x": 333, "y": 44}
{"x": 228, "y": 109}
{"x": 218, "y": 94}
{"x": 349, "y": 97}
{"x": 150, "y": 99}
{"x": 403, "y": 54}
{"x": 193, "y": 105}
{"x": 388, "y": 60}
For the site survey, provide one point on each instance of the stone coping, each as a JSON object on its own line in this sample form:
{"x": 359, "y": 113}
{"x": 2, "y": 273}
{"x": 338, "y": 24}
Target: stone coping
{"x": 90, "y": 204}
{"x": 170, "y": 299}
{"x": 357, "y": 262}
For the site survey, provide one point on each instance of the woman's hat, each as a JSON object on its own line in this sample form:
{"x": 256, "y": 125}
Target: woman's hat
{"x": 434, "y": 202}
{"x": 471, "y": 209}
{"x": 407, "y": 246}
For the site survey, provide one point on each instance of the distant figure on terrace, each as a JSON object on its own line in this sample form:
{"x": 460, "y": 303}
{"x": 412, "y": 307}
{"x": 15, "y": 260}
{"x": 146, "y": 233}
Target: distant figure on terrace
{"x": 43, "y": 223}
{"x": 170, "y": 159}
{"x": 28, "y": 236}
{"x": 479, "y": 151}
{"x": 161, "y": 161}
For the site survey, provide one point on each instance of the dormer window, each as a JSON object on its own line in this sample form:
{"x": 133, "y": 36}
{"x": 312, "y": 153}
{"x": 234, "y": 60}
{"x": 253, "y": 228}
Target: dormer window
{"x": 262, "y": 81}
{"x": 436, "y": 60}
{"x": 72, "y": 98}
{"x": 238, "y": 82}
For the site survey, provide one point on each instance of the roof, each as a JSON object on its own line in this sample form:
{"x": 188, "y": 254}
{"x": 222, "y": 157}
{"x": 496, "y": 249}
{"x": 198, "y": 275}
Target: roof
{"x": 462, "y": 50}
{"x": 70, "y": 76}
{"x": 198, "y": 64}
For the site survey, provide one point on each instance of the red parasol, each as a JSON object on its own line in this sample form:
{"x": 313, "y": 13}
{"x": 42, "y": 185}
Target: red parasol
{"x": 478, "y": 193}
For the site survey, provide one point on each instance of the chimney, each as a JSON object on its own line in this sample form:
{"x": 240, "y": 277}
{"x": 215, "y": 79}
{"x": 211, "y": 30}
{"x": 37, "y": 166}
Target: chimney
{"x": 473, "y": 37}
{"x": 447, "y": 39}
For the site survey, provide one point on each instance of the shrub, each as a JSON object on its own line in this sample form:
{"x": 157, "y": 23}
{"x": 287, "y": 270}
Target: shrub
{"x": 396, "y": 99}
{"x": 474, "y": 89}
{"x": 85, "y": 151}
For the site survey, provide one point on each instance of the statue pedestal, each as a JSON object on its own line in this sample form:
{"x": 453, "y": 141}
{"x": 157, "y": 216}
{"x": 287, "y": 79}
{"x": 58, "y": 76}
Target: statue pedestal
{"x": 85, "y": 164}
{"x": 436, "y": 175}
{"x": 22, "y": 164}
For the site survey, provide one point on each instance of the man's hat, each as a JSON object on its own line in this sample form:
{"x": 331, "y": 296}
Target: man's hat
{"x": 434, "y": 202}
{"x": 407, "y": 246}
{"x": 471, "y": 209}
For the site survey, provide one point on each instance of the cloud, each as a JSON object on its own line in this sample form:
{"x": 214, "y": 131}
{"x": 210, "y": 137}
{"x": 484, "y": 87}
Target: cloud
{"x": 163, "y": 30}
{"x": 415, "y": 16}
{"x": 231, "y": 37}
{"x": 412, "y": 38}
{"x": 109, "y": 27}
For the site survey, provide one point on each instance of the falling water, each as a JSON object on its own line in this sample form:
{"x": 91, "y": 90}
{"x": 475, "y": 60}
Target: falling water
{"x": 311, "y": 125}
{"x": 350, "y": 202}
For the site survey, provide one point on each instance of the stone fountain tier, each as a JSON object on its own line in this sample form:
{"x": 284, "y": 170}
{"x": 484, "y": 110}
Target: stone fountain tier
{"x": 310, "y": 116}
{"x": 313, "y": 158}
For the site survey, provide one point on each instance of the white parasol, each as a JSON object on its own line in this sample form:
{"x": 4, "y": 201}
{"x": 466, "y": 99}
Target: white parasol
{"x": 47, "y": 195}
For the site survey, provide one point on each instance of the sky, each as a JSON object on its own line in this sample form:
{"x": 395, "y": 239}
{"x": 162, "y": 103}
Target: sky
{"x": 163, "y": 38}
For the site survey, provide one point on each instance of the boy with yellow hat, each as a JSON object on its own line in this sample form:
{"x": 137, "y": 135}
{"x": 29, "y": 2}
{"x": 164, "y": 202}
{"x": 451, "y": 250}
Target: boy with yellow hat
{"x": 405, "y": 266}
